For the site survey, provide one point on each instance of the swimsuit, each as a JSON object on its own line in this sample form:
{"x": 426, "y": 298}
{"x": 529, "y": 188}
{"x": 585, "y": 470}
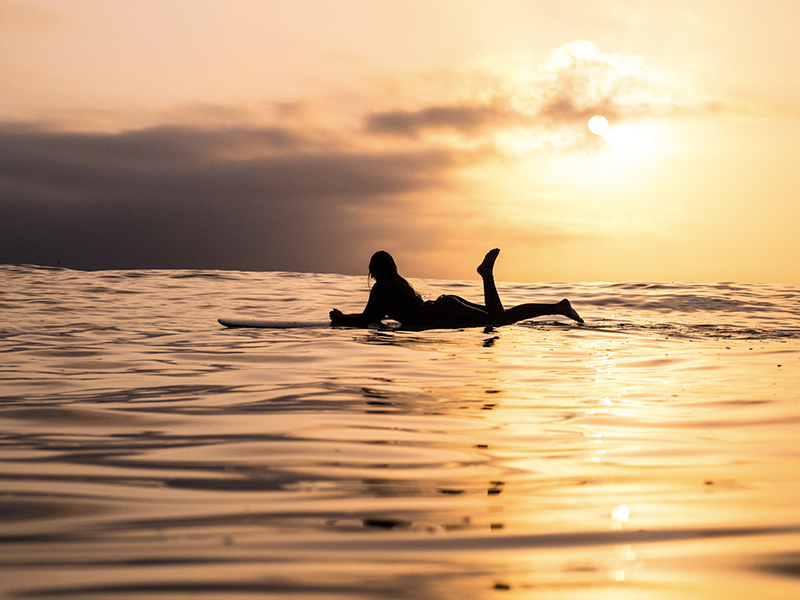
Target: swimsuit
{"x": 447, "y": 311}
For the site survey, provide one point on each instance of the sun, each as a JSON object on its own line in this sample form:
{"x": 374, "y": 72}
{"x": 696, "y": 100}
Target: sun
{"x": 598, "y": 125}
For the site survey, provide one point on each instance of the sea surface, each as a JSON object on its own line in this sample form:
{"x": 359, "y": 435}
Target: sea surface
{"x": 148, "y": 452}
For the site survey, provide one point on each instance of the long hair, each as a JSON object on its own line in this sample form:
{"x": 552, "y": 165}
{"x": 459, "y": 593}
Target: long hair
{"x": 383, "y": 268}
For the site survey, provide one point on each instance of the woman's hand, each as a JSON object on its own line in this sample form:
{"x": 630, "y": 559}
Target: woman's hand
{"x": 336, "y": 316}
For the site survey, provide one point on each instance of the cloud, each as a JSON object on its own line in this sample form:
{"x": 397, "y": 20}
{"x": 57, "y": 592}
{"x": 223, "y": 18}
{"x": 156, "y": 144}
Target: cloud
{"x": 313, "y": 192}
{"x": 559, "y": 94}
{"x": 465, "y": 119}
{"x": 261, "y": 198}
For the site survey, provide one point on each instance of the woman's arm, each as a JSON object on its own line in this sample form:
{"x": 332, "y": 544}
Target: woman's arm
{"x": 373, "y": 312}
{"x": 353, "y": 320}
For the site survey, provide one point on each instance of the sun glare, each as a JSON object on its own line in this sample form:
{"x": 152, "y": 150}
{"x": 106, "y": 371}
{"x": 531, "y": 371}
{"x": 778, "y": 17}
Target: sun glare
{"x": 628, "y": 153}
{"x": 598, "y": 125}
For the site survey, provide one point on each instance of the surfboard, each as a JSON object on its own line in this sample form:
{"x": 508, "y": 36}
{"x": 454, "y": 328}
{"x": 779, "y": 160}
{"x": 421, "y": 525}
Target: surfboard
{"x": 270, "y": 324}
{"x": 267, "y": 324}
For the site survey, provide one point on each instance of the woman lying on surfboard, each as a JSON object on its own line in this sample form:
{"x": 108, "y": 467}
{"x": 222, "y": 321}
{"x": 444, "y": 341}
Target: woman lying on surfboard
{"x": 394, "y": 297}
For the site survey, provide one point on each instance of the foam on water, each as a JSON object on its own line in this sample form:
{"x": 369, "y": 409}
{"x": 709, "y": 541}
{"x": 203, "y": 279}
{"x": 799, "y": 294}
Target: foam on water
{"x": 149, "y": 452}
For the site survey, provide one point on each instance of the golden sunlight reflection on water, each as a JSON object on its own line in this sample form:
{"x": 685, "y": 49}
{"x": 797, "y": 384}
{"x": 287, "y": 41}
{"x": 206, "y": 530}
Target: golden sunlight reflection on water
{"x": 641, "y": 456}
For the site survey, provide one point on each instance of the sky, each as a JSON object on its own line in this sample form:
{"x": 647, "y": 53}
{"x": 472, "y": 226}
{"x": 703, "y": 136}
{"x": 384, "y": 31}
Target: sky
{"x": 305, "y": 135}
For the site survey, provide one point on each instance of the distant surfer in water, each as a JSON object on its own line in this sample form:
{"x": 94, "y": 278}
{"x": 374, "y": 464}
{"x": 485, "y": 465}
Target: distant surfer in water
{"x": 393, "y": 296}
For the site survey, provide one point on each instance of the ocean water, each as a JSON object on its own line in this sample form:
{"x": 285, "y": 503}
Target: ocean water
{"x": 148, "y": 452}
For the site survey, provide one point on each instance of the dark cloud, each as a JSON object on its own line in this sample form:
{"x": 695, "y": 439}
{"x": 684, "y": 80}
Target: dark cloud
{"x": 182, "y": 197}
{"x": 565, "y": 110}
{"x": 465, "y": 119}
{"x": 558, "y": 108}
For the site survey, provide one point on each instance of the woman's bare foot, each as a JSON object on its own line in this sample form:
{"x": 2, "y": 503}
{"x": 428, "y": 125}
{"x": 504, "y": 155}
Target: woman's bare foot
{"x": 486, "y": 268}
{"x": 565, "y": 309}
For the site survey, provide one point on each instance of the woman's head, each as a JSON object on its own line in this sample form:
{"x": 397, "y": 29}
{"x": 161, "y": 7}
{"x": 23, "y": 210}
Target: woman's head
{"x": 382, "y": 266}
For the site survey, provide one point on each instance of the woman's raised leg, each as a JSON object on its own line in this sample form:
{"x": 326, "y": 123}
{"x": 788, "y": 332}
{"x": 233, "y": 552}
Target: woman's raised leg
{"x": 518, "y": 313}
{"x": 490, "y": 296}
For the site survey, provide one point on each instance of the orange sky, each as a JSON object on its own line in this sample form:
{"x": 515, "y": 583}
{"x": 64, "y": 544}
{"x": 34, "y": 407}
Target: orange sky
{"x": 306, "y": 135}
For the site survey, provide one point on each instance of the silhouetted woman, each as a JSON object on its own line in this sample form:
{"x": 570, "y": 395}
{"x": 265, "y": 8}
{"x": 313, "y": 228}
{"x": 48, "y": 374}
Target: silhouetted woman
{"x": 394, "y": 297}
